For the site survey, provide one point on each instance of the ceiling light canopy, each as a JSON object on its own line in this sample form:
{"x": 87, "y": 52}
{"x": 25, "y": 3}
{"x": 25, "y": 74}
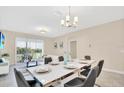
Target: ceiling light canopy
{"x": 42, "y": 29}
{"x": 69, "y": 21}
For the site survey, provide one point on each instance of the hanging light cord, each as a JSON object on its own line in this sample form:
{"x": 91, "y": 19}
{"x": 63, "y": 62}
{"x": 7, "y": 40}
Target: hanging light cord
{"x": 69, "y": 7}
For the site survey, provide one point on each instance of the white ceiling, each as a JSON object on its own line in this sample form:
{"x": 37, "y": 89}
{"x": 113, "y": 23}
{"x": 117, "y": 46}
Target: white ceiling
{"x": 28, "y": 19}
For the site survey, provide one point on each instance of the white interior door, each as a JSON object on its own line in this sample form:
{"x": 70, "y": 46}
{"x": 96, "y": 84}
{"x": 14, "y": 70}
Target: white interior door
{"x": 73, "y": 49}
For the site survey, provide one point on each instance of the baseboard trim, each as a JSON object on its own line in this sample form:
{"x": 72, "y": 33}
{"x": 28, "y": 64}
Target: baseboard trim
{"x": 114, "y": 71}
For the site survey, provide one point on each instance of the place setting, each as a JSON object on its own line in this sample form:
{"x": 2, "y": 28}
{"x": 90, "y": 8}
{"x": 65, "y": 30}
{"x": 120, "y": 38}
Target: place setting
{"x": 43, "y": 69}
{"x": 70, "y": 66}
{"x": 84, "y": 61}
{"x": 54, "y": 63}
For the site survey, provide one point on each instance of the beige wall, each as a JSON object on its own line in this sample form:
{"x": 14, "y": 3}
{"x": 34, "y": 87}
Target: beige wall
{"x": 106, "y": 41}
{"x": 10, "y": 47}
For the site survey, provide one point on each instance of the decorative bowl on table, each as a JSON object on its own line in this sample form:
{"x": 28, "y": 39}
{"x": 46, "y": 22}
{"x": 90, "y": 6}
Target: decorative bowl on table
{"x": 42, "y": 69}
{"x": 83, "y": 62}
{"x": 70, "y": 66}
{"x": 54, "y": 63}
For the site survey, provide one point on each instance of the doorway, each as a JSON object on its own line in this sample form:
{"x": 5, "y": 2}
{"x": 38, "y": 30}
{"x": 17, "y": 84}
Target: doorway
{"x": 73, "y": 49}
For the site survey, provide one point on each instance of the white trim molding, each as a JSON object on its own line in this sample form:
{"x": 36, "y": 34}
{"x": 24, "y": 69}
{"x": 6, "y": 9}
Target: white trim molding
{"x": 112, "y": 70}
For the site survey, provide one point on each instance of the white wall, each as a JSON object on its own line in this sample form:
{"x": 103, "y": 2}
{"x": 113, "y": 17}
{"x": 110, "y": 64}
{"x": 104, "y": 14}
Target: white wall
{"x": 106, "y": 40}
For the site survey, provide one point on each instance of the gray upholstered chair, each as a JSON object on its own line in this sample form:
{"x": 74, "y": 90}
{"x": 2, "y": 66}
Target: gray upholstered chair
{"x": 100, "y": 65}
{"x": 61, "y": 58}
{"x": 81, "y": 82}
{"x": 87, "y": 68}
{"x": 21, "y": 82}
{"x": 47, "y": 60}
{"x": 30, "y": 62}
{"x": 87, "y": 57}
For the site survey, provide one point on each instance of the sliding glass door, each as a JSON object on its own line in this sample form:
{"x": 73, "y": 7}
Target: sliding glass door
{"x": 28, "y": 49}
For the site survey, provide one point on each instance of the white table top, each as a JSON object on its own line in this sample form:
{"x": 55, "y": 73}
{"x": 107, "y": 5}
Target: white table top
{"x": 57, "y": 72}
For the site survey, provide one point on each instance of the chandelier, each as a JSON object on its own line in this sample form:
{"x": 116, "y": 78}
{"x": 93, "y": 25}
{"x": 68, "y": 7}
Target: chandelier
{"x": 69, "y": 21}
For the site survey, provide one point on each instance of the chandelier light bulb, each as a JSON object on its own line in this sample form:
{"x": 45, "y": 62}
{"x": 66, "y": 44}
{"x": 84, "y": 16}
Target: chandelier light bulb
{"x": 67, "y": 18}
{"x": 76, "y": 19}
{"x": 62, "y": 22}
{"x": 43, "y": 32}
{"x": 74, "y": 24}
{"x": 67, "y": 25}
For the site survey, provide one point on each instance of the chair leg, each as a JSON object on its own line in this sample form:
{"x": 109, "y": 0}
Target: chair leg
{"x": 36, "y": 63}
{"x": 27, "y": 64}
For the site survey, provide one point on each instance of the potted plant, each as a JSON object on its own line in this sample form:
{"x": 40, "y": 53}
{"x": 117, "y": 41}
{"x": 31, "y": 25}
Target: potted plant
{"x": 5, "y": 55}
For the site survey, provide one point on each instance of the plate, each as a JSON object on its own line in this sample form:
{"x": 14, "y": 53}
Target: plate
{"x": 54, "y": 63}
{"x": 42, "y": 69}
{"x": 70, "y": 66}
{"x": 83, "y": 62}
{"x": 82, "y": 59}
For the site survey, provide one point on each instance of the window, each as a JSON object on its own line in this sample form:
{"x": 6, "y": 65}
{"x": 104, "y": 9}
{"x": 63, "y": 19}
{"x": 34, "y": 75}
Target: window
{"x": 29, "y": 47}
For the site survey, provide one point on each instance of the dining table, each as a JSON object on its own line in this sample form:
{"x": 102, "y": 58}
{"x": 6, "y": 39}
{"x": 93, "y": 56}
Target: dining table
{"x": 58, "y": 72}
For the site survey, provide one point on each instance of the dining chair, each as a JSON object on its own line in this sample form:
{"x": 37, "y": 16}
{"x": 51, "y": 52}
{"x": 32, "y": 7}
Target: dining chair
{"x": 81, "y": 82}
{"x": 61, "y": 58}
{"x": 21, "y": 82}
{"x": 31, "y": 63}
{"x": 86, "y": 68}
{"x": 47, "y": 60}
{"x": 87, "y": 57}
{"x": 100, "y": 65}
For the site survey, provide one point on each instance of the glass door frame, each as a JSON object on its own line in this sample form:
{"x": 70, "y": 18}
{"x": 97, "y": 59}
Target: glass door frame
{"x": 27, "y": 40}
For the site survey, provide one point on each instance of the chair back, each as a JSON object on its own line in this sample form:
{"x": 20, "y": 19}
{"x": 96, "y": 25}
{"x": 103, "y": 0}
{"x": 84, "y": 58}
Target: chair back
{"x": 87, "y": 57}
{"x": 21, "y": 82}
{"x": 91, "y": 78}
{"x": 47, "y": 60}
{"x": 100, "y": 64}
{"x": 29, "y": 57}
{"x": 61, "y": 58}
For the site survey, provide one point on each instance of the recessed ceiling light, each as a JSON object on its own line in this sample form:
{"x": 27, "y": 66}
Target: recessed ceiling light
{"x": 42, "y": 29}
